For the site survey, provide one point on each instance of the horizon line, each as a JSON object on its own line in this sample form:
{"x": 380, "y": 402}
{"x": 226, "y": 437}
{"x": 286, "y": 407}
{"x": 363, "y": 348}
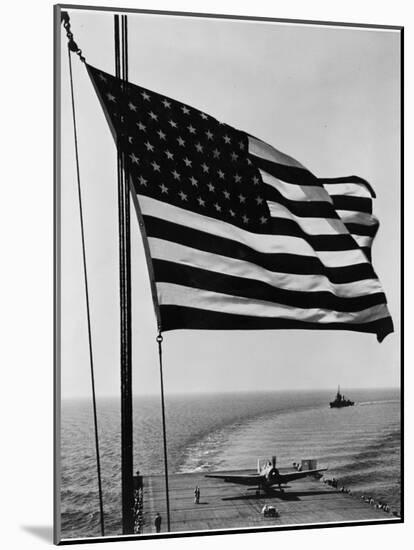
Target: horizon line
{"x": 220, "y": 392}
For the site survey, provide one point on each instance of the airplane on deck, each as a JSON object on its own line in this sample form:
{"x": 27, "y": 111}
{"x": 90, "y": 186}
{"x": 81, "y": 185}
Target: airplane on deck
{"x": 267, "y": 476}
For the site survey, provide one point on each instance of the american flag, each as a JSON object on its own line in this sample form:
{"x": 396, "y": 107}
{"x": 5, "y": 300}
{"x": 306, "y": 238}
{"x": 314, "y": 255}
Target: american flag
{"x": 239, "y": 235}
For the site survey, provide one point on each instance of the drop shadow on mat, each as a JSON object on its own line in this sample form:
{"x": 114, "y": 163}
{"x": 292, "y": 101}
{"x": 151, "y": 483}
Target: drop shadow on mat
{"x": 43, "y": 532}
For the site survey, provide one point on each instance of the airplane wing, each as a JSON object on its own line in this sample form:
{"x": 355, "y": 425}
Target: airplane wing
{"x": 252, "y": 479}
{"x": 285, "y": 478}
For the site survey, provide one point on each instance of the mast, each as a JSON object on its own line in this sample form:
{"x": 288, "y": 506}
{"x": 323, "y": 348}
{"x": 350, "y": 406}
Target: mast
{"x": 121, "y": 71}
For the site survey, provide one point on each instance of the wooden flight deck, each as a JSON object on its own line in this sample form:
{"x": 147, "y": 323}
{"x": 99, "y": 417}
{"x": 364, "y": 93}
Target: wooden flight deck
{"x": 227, "y": 505}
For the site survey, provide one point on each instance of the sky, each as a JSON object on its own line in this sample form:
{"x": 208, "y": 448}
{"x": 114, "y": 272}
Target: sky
{"x": 328, "y": 96}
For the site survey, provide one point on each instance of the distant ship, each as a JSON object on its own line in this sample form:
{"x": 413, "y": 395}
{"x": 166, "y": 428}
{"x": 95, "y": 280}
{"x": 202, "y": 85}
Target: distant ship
{"x": 340, "y": 401}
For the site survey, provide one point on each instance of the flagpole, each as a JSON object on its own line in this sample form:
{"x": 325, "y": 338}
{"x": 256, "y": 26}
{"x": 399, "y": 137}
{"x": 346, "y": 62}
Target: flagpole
{"x": 121, "y": 71}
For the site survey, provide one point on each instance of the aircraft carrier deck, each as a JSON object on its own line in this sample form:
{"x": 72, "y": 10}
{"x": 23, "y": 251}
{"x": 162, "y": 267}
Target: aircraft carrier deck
{"x": 229, "y": 506}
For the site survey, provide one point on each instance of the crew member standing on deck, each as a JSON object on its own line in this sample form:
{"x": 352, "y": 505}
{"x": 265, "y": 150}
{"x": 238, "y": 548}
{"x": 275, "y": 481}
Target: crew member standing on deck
{"x": 157, "y": 522}
{"x": 197, "y": 495}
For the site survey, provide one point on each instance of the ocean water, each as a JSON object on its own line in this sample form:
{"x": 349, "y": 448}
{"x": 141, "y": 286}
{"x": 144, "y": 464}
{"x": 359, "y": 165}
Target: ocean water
{"x": 360, "y": 444}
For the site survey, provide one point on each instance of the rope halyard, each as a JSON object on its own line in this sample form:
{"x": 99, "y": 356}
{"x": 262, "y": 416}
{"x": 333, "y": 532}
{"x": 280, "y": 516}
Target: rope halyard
{"x": 72, "y": 47}
{"x": 159, "y": 340}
